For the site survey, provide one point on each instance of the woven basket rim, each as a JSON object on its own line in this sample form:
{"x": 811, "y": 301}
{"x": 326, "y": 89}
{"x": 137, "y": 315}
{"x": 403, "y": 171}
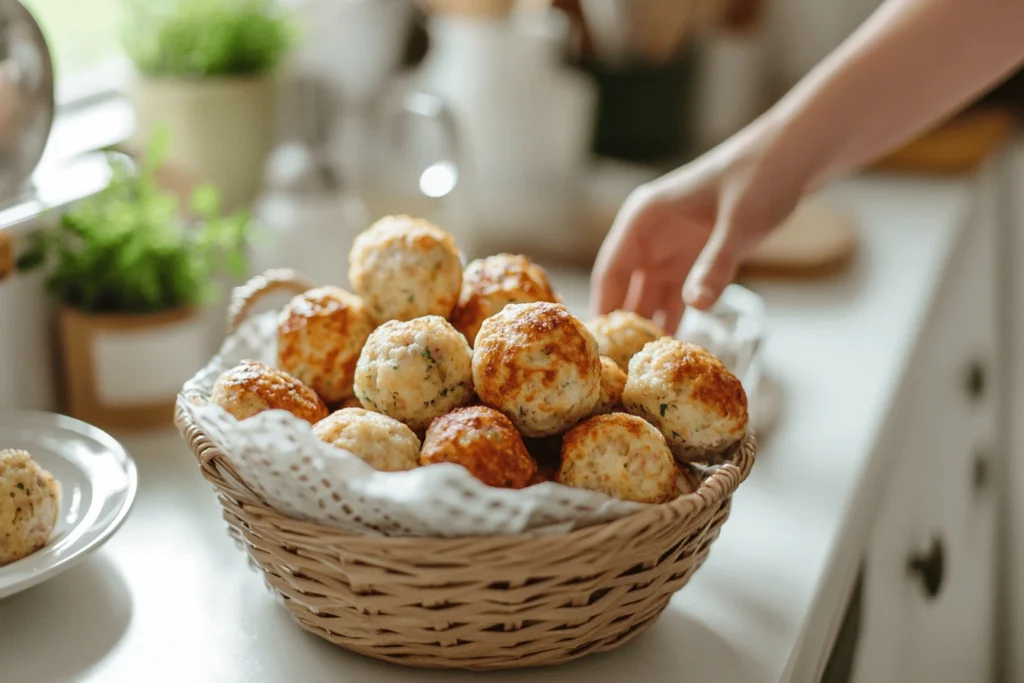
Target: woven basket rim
{"x": 721, "y": 484}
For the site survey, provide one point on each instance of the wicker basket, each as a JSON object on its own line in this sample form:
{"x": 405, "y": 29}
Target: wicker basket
{"x": 482, "y": 602}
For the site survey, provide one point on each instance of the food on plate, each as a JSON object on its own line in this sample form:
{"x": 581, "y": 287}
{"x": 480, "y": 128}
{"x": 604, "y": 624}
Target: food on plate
{"x": 415, "y": 371}
{"x": 252, "y": 387}
{"x": 483, "y": 441}
{"x": 319, "y": 336}
{"x": 547, "y": 453}
{"x": 537, "y": 364}
{"x": 489, "y": 284}
{"x": 620, "y": 455}
{"x": 406, "y": 268}
{"x": 621, "y": 334}
{"x": 380, "y": 441}
{"x": 689, "y": 395}
{"x": 29, "y": 505}
{"x": 613, "y": 381}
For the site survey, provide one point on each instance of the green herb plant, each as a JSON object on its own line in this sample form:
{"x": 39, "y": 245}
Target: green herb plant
{"x": 206, "y": 38}
{"x": 129, "y": 250}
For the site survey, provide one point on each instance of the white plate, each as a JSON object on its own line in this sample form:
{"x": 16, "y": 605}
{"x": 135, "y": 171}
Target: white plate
{"x": 98, "y": 482}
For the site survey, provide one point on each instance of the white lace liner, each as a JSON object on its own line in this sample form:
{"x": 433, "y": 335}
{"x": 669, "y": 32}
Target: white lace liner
{"x": 278, "y": 457}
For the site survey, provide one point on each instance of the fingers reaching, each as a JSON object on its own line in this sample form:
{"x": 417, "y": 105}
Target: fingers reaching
{"x": 657, "y": 294}
{"x": 646, "y": 294}
{"x": 609, "y": 285}
{"x": 716, "y": 266}
{"x": 614, "y": 267}
{"x": 672, "y": 311}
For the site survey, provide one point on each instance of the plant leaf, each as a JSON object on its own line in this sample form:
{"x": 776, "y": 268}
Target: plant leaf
{"x": 205, "y": 202}
{"x": 127, "y": 249}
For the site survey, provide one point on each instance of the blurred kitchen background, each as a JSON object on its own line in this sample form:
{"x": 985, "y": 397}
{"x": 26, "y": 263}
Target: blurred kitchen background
{"x": 517, "y": 125}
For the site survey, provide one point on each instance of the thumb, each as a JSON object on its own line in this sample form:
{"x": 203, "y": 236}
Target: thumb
{"x": 716, "y": 265}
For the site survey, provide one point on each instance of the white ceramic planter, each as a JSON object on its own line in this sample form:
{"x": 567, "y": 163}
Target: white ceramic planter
{"x": 221, "y": 129}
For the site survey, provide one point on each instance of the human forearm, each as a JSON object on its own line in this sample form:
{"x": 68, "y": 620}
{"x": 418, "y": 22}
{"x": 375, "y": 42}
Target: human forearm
{"x": 910, "y": 65}
{"x": 913, "y": 63}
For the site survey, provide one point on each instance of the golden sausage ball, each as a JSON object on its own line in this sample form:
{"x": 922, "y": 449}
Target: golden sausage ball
{"x": 406, "y": 268}
{"x": 251, "y": 387}
{"x": 621, "y": 334}
{"x": 689, "y": 395}
{"x": 613, "y": 381}
{"x": 537, "y": 364}
{"x": 380, "y": 441}
{"x": 619, "y": 455}
{"x": 483, "y": 441}
{"x": 319, "y": 336}
{"x": 490, "y": 284}
{"x": 415, "y": 371}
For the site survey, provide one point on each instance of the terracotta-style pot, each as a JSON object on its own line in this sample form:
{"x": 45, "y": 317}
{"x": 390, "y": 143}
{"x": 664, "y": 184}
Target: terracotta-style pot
{"x": 221, "y": 129}
{"x": 124, "y": 371}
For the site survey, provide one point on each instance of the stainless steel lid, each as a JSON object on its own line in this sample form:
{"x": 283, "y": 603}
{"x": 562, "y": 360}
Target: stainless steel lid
{"x": 26, "y": 97}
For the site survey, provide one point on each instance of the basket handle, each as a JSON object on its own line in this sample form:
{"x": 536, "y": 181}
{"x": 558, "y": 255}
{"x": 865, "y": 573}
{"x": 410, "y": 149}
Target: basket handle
{"x": 245, "y": 297}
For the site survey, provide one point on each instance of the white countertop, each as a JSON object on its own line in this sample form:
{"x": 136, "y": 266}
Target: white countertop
{"x": 171, "y": 598}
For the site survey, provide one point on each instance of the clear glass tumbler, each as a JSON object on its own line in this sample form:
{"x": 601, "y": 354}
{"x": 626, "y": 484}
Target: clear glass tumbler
{"x": 734, "y": 330}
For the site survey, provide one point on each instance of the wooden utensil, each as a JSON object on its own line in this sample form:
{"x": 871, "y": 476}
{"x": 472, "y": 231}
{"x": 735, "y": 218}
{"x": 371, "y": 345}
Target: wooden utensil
{"x": 817, "y": 239}
{"x": 471, "y": 8}
{"x": 6, "y": 255}
{"x": 662, "y": 27}
{"x": 960, "y": 145}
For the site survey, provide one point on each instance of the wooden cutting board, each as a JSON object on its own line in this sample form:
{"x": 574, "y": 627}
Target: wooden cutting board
{"x": 817, "y": 239}
{"x": 6, "y": 255}
{"x": 960, "y": 145}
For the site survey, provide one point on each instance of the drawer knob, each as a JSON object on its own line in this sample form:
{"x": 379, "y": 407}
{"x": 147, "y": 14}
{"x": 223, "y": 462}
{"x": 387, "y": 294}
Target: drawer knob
{"x": 981, "y": 474}
{"x": 976, "y": 380}
{"x": 929, "y": 567}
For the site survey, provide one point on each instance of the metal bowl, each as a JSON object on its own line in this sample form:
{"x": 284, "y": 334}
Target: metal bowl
{"x": 26, "y": 98}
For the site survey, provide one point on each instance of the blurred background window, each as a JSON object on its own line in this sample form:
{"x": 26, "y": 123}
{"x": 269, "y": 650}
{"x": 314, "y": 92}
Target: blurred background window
{"x": 83, "y": 37}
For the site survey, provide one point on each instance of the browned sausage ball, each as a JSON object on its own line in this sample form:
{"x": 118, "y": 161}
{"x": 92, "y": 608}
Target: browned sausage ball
{"x": 382, "y": 442}
{"x": 251, "y": 387}
{"x": 537, "y": 364}
{"x": 621, "y": 334}
{"x": 619, "y": 455}
{"x": 483, "y": 441}
{"x": 406, "y": 268}
{"x": 613, "y": 381}
{"x": 689, "y": 395}
{"x": 490, "y": 284}
{"x": 415, "y": 370}
{"x": 319, "y": 336}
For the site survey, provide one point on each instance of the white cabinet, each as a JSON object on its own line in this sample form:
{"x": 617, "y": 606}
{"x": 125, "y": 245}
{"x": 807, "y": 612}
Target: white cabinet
{"x": 928, "y": 610}
{"x": 1012, "y": 627}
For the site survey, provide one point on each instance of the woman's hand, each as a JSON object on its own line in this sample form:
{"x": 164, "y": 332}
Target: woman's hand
{"x": 911, "y": 64}
{"x": 683, "y": 236}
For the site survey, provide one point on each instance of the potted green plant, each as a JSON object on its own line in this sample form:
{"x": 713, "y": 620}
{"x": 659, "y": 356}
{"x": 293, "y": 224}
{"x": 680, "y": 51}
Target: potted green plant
{"x": 131, "y": 273}
{"x": 205, "y": 71}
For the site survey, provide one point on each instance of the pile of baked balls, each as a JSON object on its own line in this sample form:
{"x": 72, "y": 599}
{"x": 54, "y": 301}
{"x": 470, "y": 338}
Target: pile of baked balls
{"x": 426, "y": 363}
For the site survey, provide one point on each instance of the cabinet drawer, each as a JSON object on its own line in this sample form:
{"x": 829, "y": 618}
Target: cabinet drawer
{"x": 930, "y": 565}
